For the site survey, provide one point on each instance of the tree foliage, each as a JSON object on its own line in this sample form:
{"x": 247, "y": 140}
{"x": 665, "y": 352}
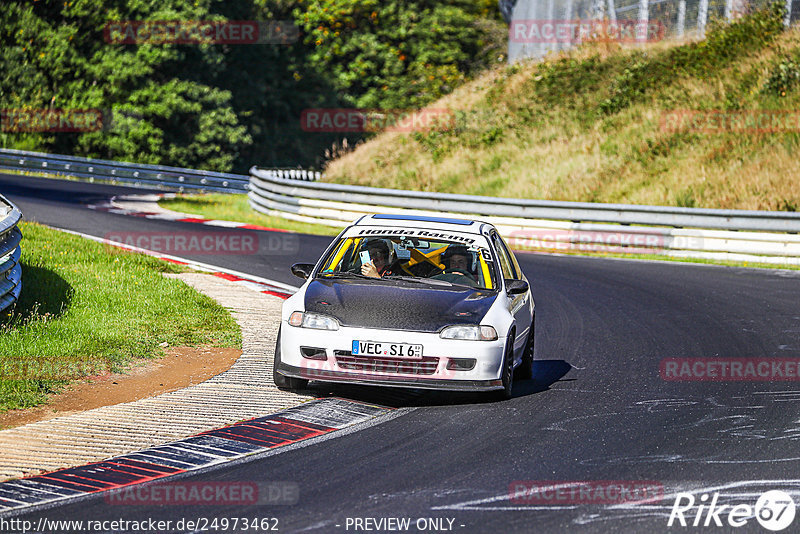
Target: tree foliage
{"x": 225, "y": 107}
{"x": 390, "y": 54}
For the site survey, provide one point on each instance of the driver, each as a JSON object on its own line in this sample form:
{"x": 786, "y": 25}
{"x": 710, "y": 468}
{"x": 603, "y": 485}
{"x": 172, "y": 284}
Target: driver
{"x": 379, "y": 254}
{"x": 457, "y": 259}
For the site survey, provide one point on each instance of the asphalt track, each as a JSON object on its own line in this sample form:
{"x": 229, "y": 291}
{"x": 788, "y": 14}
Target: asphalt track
{"x": 598, "y": 409}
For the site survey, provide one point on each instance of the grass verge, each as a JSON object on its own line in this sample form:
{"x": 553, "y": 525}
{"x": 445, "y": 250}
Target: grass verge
{"x": 87, "y": 308}
{"x": 235, "y": 207}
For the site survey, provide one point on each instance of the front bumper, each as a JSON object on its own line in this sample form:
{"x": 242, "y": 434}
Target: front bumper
{"x": 341, "y": 366}
{"x": 397, "y": 382}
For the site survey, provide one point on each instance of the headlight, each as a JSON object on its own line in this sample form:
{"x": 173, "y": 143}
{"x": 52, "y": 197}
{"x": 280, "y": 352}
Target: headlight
{"x": 313, "y": 320}
{"x": 469, "y": 332}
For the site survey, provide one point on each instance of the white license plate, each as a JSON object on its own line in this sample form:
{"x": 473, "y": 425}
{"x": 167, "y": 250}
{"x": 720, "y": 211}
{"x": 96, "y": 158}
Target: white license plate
{"x": 386, "y": 350}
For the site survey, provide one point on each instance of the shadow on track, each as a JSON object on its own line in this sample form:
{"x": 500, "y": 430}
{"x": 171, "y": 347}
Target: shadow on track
{"x": 545, "y": 372}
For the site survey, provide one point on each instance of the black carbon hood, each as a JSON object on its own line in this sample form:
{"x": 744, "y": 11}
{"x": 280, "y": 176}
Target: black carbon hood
{"x": 397, "y": 307}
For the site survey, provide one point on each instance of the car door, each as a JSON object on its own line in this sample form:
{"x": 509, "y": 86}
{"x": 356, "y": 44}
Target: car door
{"x": 519, "y": 305}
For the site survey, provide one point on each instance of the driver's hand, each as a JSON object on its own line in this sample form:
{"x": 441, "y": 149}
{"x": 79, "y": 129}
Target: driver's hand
{"x": 368, "y": 269}
{"x": 462, "y": 273}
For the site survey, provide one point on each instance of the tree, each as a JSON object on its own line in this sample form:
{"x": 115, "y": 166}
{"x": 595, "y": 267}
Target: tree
{"x": 154, "y": 112}
{"x": 398, "y": 54}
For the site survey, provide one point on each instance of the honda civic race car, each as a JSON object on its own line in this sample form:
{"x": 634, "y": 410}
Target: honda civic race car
{"x": 409, "y": 301}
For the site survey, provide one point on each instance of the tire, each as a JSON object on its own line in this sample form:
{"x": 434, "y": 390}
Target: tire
{"x": 525, "y": 369}
{"x": 284, "y": 382}
{"x": 507, "y": 375}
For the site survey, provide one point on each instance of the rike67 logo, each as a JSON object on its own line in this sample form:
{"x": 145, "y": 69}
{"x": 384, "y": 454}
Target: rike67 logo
{"x": 774, "y": 510}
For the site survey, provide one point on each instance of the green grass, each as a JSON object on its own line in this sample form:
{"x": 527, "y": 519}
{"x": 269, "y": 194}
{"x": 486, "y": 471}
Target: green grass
{"x": 234, "y": 207}
{"x": 87, "y": 308}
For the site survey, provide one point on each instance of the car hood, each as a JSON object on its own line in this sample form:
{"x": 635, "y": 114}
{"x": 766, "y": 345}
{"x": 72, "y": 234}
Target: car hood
{"x": 400, "y": 306}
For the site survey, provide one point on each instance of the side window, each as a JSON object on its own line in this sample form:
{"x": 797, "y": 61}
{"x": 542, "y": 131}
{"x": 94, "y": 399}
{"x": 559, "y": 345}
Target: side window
{"x": 505, "y": 262}
{"x": 514, "y": 263}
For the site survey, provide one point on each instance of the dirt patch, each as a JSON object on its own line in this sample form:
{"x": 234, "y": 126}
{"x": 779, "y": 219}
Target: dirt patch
{"x": 179, "y": 368}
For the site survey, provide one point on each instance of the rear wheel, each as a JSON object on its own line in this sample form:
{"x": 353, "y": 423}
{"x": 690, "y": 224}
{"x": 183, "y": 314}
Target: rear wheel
{"x": 525, "y": 369}
{"x": 284, "y": 382}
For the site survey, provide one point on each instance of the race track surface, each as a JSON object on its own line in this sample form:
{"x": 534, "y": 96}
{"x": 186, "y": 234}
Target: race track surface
{"x": 598, "y": 409}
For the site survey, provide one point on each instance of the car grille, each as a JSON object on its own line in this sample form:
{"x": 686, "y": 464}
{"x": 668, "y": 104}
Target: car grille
{"x": 424, "y": 366}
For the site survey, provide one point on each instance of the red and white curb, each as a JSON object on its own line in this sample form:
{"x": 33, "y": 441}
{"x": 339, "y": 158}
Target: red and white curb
{"x": 309, "y": 420}
{"x": 132, "y": 206}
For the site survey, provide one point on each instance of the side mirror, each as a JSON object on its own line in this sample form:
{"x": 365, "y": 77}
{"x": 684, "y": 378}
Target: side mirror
{"x": 515, "y": 287}
{"x": 302, "y": 270}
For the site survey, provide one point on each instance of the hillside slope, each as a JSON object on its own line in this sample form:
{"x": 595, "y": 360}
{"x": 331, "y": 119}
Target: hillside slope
{"x": 598, "y": 124}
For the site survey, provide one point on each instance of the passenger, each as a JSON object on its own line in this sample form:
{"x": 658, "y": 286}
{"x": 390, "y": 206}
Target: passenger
{"x": 379, "y": 254}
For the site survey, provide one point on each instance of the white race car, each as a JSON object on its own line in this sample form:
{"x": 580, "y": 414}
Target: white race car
{"x": 409, "y": 301}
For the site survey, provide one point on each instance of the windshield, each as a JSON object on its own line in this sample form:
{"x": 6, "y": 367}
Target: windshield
{"x": 435, "y": 262}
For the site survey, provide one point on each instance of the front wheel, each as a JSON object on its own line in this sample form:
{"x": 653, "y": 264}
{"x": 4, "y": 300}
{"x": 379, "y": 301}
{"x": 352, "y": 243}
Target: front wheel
{"x": 284, "y": 382}
{"x": 507, "y": 374}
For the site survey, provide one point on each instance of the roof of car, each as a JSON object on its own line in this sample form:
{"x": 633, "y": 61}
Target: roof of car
{"x": 422, "y": 221}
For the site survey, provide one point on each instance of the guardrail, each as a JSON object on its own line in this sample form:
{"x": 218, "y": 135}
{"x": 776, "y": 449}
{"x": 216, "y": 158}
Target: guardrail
{"x": 116, "y": 171}
{"x": 10, "y": 251}
{"x": 135, "y": 174}
{"x": 736, "y": 235}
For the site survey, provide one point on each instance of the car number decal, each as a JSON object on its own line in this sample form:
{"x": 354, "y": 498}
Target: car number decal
{"x": 388, "y": 350}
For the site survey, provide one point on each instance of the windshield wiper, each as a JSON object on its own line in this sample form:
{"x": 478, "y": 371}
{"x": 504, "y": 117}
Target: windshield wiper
{"x": 417, "y": 280}
{"x": 413, "y": 279}
{"x": 346, "y": 274}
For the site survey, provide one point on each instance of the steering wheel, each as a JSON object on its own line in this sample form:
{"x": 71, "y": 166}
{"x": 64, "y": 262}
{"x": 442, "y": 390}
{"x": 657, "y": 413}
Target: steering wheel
{"x": 457, "y": 277}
